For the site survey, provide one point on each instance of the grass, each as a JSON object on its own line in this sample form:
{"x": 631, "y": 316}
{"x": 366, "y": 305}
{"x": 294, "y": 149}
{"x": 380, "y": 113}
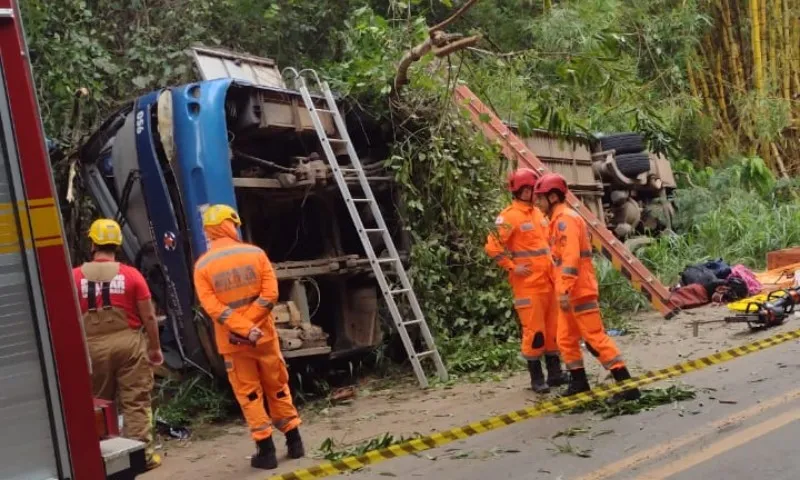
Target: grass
{"x": 196, "y": 400}
{"x": 331, "y": 452}
{"x": 650, "y": 399}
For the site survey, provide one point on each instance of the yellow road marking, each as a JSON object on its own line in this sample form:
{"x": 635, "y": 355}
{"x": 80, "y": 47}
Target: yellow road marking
{"x": 730, "y": 442}
{"x": 660, "y": 450}
{"x": 550, "y": 406}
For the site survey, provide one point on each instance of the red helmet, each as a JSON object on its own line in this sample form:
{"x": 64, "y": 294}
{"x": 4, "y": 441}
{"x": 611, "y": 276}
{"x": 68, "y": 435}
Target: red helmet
{"x": 549, "y": 182}
{"x": 522, "y": 177}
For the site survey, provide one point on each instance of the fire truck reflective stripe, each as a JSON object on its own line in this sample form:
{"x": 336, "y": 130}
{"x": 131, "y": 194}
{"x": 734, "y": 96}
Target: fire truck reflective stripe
{"x": 242, "y": 302}
{"x": 586, "y": 254}
{"x": 226, "y": 253}
{"x": 530, "y": 253}
{"x": 264, "y": 303}
{"x": 225, "y": 315}
{"x": 569, "y": 271}
{"x": 40, "y": 215}
{"x": 556, "y": 405}
{"x": 584, "y": 307}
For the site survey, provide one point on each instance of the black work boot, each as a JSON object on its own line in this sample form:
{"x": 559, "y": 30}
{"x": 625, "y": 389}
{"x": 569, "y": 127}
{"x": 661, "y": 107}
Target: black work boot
{"x": 294, "y": 443}
{"x": 537, "y": 377}
{"x": 265, "y": 456}
{"x": 555, "y": 376}
{"x": 577, "y": 382}
{"x": 621, "y": 374}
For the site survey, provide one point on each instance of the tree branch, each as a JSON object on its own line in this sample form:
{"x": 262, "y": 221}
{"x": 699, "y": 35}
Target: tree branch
{"x": 447, "y": 21}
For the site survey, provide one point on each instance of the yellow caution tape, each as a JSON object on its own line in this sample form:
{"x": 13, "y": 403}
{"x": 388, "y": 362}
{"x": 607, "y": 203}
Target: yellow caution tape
{"x": 556, "y": 405}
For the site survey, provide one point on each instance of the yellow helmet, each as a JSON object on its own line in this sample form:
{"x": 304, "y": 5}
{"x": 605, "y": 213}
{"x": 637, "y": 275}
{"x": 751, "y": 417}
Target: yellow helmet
{"x": 105, "y": 231}
{"x": 216, "y": 214}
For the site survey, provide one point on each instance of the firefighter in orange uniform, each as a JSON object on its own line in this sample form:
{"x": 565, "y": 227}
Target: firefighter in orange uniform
{"x": 520, "y": 247}
{"x": 237, "y": 288}
{"x": 576, "y": 287}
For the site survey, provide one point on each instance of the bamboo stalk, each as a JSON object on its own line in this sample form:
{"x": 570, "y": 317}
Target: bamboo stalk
{"x": 762, "y": 27}
{"x": 786, "y": 67}
{"x": 779, "y": 160}
{"x": 755, "y": 29}
{"x": 692, "y": 81}
{"x": 773, "y": 25}
{"x": 738, "y": 23}
{"x": 722, "y": 100}
{"x": 795, "y": 44}
{"x": 732, "y": 47}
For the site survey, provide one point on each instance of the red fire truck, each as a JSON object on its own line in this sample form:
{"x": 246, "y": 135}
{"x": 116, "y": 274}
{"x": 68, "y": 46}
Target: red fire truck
{"x": 50, "y": 426}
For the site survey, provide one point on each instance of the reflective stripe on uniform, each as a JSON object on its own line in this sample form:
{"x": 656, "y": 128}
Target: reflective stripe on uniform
{"x": 611, "y": 362}
{"x": 522, "y": 302}
{"x": 569, "y": 271}
{"x": 282, "y": 422}
{"x": 557, "y": 262}
{"x": 530, "y": 253}
{"x": 586, "y": 253}
{"x": 264, "y": 303}
{"x": 242, "y": 302}
{"x": 574, "y": 365}
{"x": 225, "y": 315}
{"x": 261, "y": 428}
{"x": 583, "y": 307}
{"x": 214, "y": 255}
{"x": 531, "y": 358}
{"x": 501, "y": 255}
{"x": 552, "y": 353}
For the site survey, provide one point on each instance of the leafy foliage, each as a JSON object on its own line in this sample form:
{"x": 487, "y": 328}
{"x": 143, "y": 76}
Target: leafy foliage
{"x": 195, "y": 400}
{"x": 580, "y": 66}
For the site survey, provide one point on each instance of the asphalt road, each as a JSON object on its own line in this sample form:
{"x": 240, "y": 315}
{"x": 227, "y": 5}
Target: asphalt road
{"x": 744, "y": 423}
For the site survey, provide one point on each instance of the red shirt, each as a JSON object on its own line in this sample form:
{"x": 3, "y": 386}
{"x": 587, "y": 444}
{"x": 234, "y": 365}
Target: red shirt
{"x": 127, "y": 288}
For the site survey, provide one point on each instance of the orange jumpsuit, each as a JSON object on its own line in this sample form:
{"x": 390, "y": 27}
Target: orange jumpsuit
{"x": 575, "y": 278}
{"x": 522, "y": 239}
{"x": 237, "y": 288}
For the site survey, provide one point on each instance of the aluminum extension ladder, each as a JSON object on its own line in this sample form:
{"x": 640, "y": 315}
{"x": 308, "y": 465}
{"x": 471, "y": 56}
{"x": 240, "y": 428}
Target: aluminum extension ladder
{"x": 395, "y": 295}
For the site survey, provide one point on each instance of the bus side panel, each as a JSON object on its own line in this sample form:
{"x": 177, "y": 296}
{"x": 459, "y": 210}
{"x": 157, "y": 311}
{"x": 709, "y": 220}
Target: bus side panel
{"x": 201, "y": 140}
{"x": 167, "y": 236}
{"x": 55, "y": 275}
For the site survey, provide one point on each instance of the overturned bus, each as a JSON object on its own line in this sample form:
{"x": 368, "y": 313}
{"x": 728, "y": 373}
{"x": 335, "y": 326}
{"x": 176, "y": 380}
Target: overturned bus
{"x": 241, "y": 137}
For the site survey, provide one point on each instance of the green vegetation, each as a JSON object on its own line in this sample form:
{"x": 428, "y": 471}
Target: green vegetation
{"x": 575, "y": 66}
{"x": 192, "y": 401}
{"x": 329, "y": 451}
{"x": 651, "y": 398}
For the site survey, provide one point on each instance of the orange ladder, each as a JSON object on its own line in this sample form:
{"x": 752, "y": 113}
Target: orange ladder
{"x": 602, "y": 239}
